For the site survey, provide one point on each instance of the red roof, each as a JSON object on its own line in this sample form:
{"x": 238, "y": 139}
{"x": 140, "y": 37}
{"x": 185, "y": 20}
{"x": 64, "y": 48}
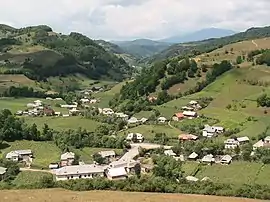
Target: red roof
{"x": 188, "y": 137}
{"x": 179, "y": 115}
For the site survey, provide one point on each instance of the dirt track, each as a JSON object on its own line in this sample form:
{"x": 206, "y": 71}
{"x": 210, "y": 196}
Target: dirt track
{"x": 59, "y": 195}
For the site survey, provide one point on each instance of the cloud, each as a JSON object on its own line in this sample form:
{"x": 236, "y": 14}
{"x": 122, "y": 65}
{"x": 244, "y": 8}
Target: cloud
{"x": 126, "y": 19}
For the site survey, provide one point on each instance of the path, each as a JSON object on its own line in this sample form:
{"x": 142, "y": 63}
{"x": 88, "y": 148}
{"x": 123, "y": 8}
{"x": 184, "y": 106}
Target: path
{"x": 254, "y": 43}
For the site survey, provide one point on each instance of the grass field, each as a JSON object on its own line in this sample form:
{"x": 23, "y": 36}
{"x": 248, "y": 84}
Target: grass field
{"x": 44, "y": 152}
{"x": 7, "y": 80}
{"x": 27, "y": 178}
{"x": 59, "y": 195}
{"x": 237, "y": 173}
{"x": 149, "y": 131}
{"x": 64, "y": 123}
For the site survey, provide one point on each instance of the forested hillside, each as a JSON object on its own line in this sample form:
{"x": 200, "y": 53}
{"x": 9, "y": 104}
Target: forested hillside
{"x": 39, "y": 53}
{"x": 196, "y": 48}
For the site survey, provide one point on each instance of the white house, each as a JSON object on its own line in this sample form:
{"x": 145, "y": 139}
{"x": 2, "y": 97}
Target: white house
{"x": 122, "y": 116}
{"x": 227, "y": 159}
{"x": 210, "y": 131}
{"x": 107, "y": 111}
{"x": 208, "y": 159}
{"x": 58, "y": 99}
{"x": 67, "y": 159}
{"x": 19, "y": 155}
{"x": 190, "y": 114}
{"x": 243, "y": 140}
{"x": 116, "y": 173}
{"x": 133, "y": 120}
{"x": 79, "y": 172}
{"x": 193, "y": 102}
{"x": 143, "y": 120}
{"x": 193, "y": 156}
{"x": 69, "y": 106}
{"x": 231, "y": 144}
{"x": 49, "y": 98}
{"x": 74, "y": 111}
{"x": 93, "y": 101}
{"x": 84, "y": 100}
{"x": 162, "y": 120}
{"x": 107, "y": 154}
{"x": 262, "y": 143}
{"x": 139, "y": 137}
{"x": 128, "y": 165}
{"x": 2, "y": 173}
{"x": 191, "y": 179}
{"x": 169, "y": 153}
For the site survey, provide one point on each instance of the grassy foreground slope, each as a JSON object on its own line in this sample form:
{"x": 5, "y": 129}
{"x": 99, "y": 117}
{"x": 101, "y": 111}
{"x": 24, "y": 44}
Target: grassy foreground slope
{"x": 60, "y": 195}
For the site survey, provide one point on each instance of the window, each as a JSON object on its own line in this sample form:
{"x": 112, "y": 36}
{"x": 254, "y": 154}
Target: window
{"x": 71, "y": 177}
{"x": 80, "y": 176}
{"x": 68, "y": 177}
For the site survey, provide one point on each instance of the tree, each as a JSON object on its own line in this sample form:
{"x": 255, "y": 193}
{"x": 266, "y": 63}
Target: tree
{"x": 137, "y": 169}
{"x": 239, "y": 59}
{"x": 246, "y": 151}
{"x": 99, "y": 159}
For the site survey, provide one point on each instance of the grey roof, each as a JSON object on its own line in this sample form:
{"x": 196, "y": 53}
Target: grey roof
{"x": 80, "y": 169}
{"x": 267, "y": 138}
{"x": 193, "y": 155}
{"x": 107, "y": 153}
{"x": 115, "y": 172}
{"x": 192, "y": 179}
{"x": 24, "y": 152}
{"x": 122, "y": 163}
{"x": 67, "y": 155}
{"x": 226, "y": 158}
{"x": 208, "y": 158}
{"x": 243, "y": 139}
{"x": 2, "y": 170}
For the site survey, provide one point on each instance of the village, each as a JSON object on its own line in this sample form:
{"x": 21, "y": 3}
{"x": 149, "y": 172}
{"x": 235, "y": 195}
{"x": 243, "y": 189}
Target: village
{"x": 121, "y": 167}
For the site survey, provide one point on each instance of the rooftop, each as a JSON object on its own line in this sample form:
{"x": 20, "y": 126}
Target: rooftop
{"x": 67, "y": 155}
{"x": 80, "y": 169}
{"x": 2, "y": 170}
{"x": 115, "y": 172}
{"x": 107, "y": 153}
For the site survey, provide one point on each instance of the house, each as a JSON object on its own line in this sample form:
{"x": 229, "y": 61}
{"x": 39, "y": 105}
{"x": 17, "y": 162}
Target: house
{"x": 191, "y": 179}
{"x": 38, "y": 103}
{"x": 65, "y": 115}
{"x": 19, "y": 113}
{"x": 178, "y": 117}
{"x": 243, "y": 140}
{"x": 49, "y": 98}
{"x": 116, "y": 173}
{"x": 128, "y": 165}
{"x": 187, "y": 108}
{"x": 162, "y": 120}
{"x": 169, "y": 153}
{"x": 107, "y": 154}
{"x": 193, "y": 102}
{"x": 135, "y": 136}
{"x": 208, "y": 159}
{"x": 227, "y": 159}
{"x": 152, "y": 99}
{"x": 67, "y": 159}
{"x": 57, "y": 113}
{"x": 19, "y": 155}
{"x": 262, "y": 143}
{"x": 2, "y": 173}
{"x": 93, "y": 101}
{"x": 193, "y": 156}
{"x": 231, "y": 144}
{"x": 68, "y": 106}
{"x": 122, "y": 116}
{"x": 79, "y": 172}
{"x": 206, "y": 179}
{"x": 107, "y": 111}
{"x": 74, "y": 112}
{"x": 133, "y": 120}
{"x": 84, "y": 100}
{"x": 185, "y": 137}
{"x": 58, "y": 99}
{"x": 190, "y": 114}
{"x": 211, "y": 131}
{"x": 143, "y": 120}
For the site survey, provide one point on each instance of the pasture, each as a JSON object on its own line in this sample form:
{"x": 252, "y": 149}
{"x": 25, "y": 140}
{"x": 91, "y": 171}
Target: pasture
{"x": 44, "y": 152}
{"x": 28, "y": 178}
{"x": 60, "y": 195}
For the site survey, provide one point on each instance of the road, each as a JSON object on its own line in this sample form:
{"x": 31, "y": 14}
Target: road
{"x": 254, "y": 43}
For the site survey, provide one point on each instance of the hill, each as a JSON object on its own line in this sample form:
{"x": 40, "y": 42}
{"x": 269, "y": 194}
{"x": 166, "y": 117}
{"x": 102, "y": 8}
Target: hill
{"x": 39, "y": 53}
{"x": 196, "y": 48}
{"x": 199, "y": 35}
{"x": 142, "y": 48}
{"x": 115, "y": 49}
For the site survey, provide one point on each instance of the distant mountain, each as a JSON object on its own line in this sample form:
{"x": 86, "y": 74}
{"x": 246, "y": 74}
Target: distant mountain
{"x": 39, "y": 53}
{"x": 142, "y": 48}
{"x": 197, "y": 47}
{"x": 199, "y": 35}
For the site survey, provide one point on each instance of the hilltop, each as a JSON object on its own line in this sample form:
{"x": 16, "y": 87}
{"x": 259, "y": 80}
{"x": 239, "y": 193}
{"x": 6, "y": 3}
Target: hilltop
{"x": 142, "y": 48}
{"x": 199, "y": 35}
{"x": 39, "y": 53}
{"x": 198, "y": 47}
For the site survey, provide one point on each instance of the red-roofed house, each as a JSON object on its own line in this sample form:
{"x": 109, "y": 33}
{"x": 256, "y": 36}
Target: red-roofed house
{"x": 178, "y": 116}
{"x": 185, "y": 137}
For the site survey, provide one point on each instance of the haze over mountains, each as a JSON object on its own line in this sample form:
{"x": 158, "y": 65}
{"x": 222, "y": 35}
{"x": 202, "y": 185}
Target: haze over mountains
{"x": 142, "y": 48}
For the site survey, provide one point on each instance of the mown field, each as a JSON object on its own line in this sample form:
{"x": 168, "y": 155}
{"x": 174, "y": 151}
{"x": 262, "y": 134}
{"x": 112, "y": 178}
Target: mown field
{"x": 60, "y": 195}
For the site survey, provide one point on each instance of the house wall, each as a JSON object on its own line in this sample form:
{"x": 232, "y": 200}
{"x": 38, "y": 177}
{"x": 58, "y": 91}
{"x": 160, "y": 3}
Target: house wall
{"x": 78, "y": 176}
{"x": 230, "y": 146}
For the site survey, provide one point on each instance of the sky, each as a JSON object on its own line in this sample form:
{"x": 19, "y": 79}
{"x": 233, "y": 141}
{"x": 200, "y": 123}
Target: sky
{"x": 130, "y": 19}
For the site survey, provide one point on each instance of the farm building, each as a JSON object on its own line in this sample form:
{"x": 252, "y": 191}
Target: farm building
{"x": 2, "y": 173}
{"x": 79, "y": 172}
{"x": 107, "y": 154}
{"x": 135, "y": 136}
{"x": 208, "y": 159}
{"x": 190, "y": 114}
{"x": 116, "y": 173}
{"x": 133, "y": 120}
{"x": 227, "y": 159}
{"x": 178, "y": 116}
{"x": 185, "y": 137}
{"x": 243, "y": 140}
{"x": 19, "y": 155}
{"x": 231, "y": 144}
{"x": 162, "y": 120}
{"x": 67, "y": 159}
